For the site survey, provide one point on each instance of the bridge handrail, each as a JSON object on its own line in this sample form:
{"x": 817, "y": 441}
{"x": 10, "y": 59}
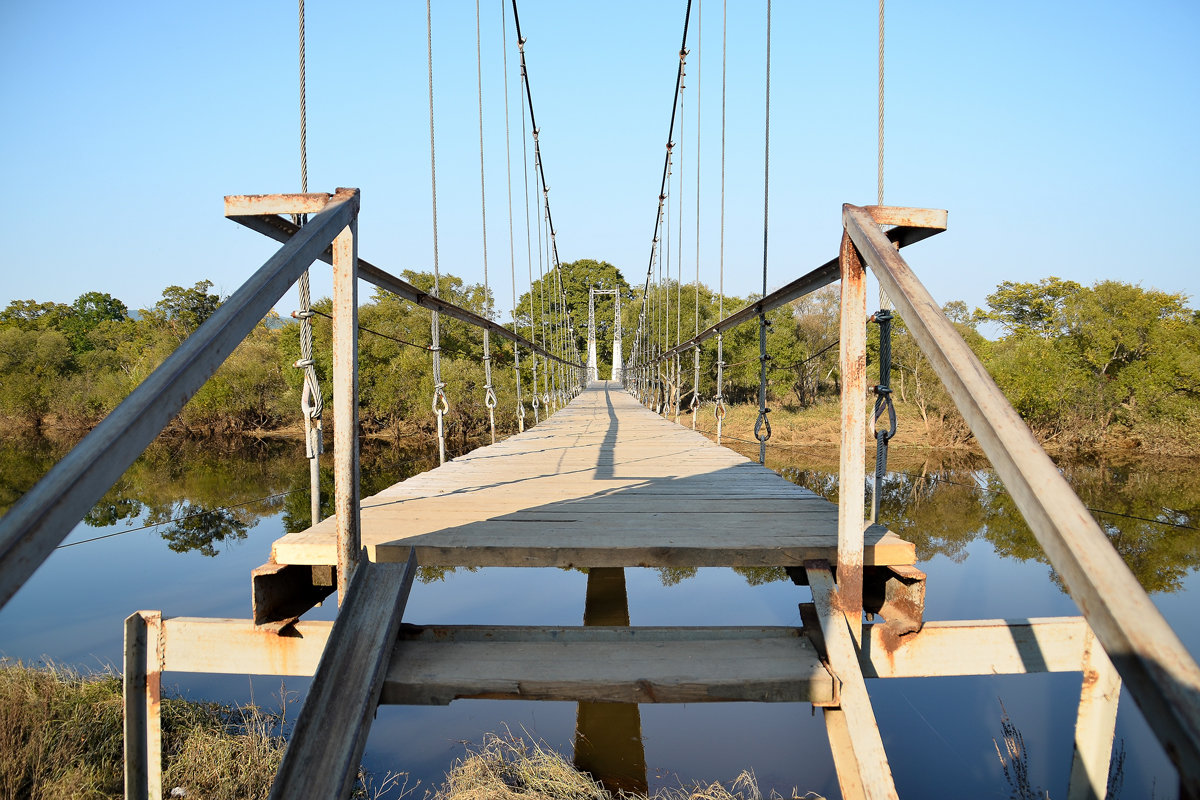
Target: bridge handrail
{"x": 43, "y": 516}
{"x": 1160, "y": 673}
{"x": 282, "y": 229}
{"x": 808, "y": 283}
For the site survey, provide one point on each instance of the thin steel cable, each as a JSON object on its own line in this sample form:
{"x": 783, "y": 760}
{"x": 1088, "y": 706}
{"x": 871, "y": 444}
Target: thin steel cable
{"x": 377, "y": 333}
{"x": 512, "y": 255}
{"x": 173, "y": 520}
{"x": 440, "y": 405}
{"x": 762, "y": 426}
{"x": 647, "y": 298}
{"x": 311, "y": 402}
{"x": 884, "y": 301}
{"x": 678, "y": 381}
{"x": 695, "y": 405}
{"x": 719, "y": 401}
{"x": 489, "y": 394}
{"x": 536, "y": 401}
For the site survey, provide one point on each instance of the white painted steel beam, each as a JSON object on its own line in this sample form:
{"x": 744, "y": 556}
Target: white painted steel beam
{"x": 43, "y": 517}
{"x": 1162, "y": 676}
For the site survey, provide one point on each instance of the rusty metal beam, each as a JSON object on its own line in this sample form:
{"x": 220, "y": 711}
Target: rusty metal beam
{"x": 852, "y": 359}
{"x": 1161, "y": 675}
{"x": 43, "y": 517}
{"x": 281, "y": 230}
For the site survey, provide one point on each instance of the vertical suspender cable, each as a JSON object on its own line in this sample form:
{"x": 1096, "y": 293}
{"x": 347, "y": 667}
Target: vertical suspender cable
{"x": 695, "y": 406}
{"x": 536, "y": 401}
{"x": 512, "y": 256}
{"x": 762, "y": 426}
{"x": 884, "y": 302}
{"x": 883, "y": 397}
{"x": 489, "y": 394}
{"x": 678, "y": 384}
{"x": 310, "y": 397}
{"x": 440, "y": 405}
{"x": 719, "y": 401}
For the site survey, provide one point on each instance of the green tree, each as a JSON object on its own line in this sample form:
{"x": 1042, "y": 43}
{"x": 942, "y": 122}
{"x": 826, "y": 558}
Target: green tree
{"x": 181, "y": 311}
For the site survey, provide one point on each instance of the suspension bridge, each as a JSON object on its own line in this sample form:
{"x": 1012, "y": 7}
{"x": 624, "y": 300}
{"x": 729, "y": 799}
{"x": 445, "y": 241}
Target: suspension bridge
{"x": 604, "y": 480}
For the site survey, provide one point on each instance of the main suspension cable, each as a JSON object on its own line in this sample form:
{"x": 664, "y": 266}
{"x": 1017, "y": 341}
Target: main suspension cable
{"x": 512, "y": 256}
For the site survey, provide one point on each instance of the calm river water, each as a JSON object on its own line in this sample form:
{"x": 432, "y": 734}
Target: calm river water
{"x": 186, "y": 525}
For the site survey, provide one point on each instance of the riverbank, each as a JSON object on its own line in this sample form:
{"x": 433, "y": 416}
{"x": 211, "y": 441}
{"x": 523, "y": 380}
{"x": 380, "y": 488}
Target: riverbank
{"x": 818, "y": 428}
{"x": 61, "y": 736}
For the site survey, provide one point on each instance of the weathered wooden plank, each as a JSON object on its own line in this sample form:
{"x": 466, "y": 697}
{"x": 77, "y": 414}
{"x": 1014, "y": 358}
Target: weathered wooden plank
{"x": 495, "y": 544}
{"x": 1162, "y": 676}
{"x": 874, "y": 772}
{"x": 347, "y": 509}
{"x": 326, "y": 746}
{"x": 596, "y": 664}
{"x": 44, "y": 515}
{"x": 142, "y": 697}
{"x": 844, "y": 763}
{"x": 1095, "y": 724}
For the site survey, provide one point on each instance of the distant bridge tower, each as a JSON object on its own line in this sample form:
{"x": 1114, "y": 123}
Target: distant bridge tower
{"x": 618, "y": 365}
{"x": 593, "y": 364}
{"x": 593, "y": 367}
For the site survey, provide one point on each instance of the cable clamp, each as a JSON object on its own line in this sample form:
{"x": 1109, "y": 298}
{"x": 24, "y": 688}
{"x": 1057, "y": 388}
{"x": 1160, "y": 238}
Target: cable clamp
{"x": 304, "y": 363}
{"x": 303, "y": 314}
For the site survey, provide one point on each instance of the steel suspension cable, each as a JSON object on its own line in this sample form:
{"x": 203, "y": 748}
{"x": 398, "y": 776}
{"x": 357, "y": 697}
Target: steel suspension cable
{"x": 666, "y": 164}
{"x": 440, "y": 404}
{"x": 512, "y": 256}
{"x": 679, "y": 243}
{"x": 762, "y": 426}
{"x": 311, "y": 404}
{"x": 553, "y": 260}
{"x": 695, "y": 404}
{"x": 536, "y": 401}
{"x": 489, "y": 394}
{"x": 884, "y": 301}
{"x": 719, "y": 401}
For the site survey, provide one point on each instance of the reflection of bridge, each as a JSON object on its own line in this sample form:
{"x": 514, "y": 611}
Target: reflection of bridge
{"x": 604, "y": 483}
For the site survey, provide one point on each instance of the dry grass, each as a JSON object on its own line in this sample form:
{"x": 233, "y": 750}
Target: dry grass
{"x": 506, "y": 767}
{"x": 61, "y": 736}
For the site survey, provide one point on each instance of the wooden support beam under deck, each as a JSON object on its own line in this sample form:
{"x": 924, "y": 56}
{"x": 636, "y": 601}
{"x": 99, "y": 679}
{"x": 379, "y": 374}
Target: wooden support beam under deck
{"x": 866, "y": 754}
{"x": 327, "y": 744}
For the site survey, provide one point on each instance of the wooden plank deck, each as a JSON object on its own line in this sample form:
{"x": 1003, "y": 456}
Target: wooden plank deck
{"x": 602, "y": 483}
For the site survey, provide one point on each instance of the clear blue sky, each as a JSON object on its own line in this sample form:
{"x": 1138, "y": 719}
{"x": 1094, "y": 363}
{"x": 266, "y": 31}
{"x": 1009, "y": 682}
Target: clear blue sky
{"x": 1061, "y": 136}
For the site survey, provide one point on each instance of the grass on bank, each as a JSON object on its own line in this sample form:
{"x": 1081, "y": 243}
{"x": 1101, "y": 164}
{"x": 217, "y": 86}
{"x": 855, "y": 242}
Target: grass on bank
{"x": 61, "y": 736}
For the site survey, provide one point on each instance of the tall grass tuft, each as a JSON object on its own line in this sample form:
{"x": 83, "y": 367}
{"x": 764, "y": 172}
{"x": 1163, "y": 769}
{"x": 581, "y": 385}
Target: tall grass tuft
{"x": 61, "y": 736}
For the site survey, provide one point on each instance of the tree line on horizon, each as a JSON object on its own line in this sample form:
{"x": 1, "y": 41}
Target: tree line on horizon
{"x": 1084, "y": 366}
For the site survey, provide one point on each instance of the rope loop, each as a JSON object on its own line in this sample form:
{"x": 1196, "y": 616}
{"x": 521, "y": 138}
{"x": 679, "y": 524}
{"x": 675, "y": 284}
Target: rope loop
{"x": 883, "y": 404}
{"x": 489, "y": 398}
{"x": 721, "y": 410}
{"x": 762, "y": 423}
{"x": 441, "y": 404}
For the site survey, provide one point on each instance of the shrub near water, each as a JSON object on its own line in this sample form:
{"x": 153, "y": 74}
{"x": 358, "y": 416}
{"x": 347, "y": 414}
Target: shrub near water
{"x": 61, "y": 736}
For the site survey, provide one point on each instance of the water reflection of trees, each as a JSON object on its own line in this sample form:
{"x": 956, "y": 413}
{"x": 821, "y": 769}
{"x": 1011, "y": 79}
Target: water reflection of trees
{"x": 1149, "y": 510}
{"x": 203, "y": 497}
